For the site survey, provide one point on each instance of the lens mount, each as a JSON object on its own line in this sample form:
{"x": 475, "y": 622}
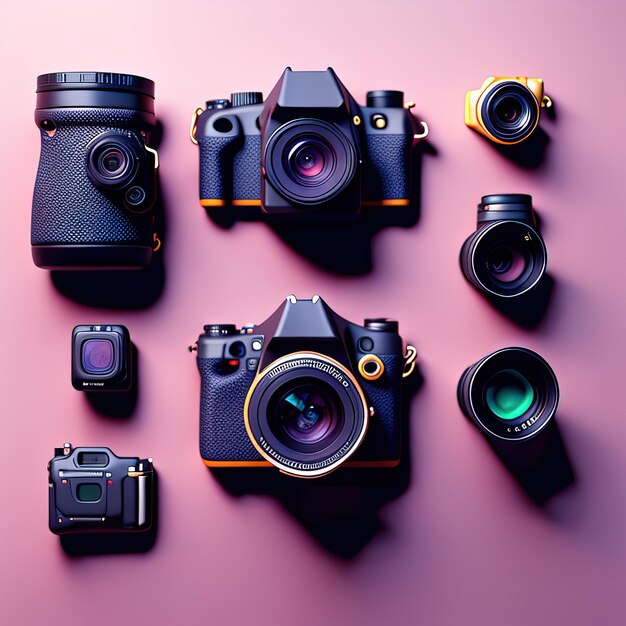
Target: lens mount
{"x": 112, "y": 161}
{"x": 309, "y": 161}
{"x": 511, "y": 394}
{"x": 509, "y": 111}
{"x": 506, "y": 258}
{"x": 306, "y": 414}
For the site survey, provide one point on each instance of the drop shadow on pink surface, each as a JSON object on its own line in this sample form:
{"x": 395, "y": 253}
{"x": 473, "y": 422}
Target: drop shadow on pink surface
{"x": 541, "y": 466}
{"x": 344, "y": 249}
{"x": 529, "y": 309}
{"x": 341, "y": 511}
{"x": 118, "y": 405}
{"x": 530, "y": 154}
{"x": 95, "y": 544}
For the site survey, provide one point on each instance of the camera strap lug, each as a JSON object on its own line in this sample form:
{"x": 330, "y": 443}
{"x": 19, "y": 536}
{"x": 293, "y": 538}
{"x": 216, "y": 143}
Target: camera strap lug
{"x": 154, "y": 153}
{"x": 546, "y": 101}
{"x": 424, "y": 133}
{"x": 194, "y": 126}
{"x": 156, "y": 242}
{"x": 409, "y": 361}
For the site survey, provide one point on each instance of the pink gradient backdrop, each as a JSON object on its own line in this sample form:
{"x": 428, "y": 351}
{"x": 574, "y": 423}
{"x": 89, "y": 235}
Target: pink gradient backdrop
{"x": 463, "y": 545}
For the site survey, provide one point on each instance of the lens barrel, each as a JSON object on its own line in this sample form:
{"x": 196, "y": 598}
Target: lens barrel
{"x": 511, "y": 394}
{"x": 95, "y": 89}
{"x": 306, "y": 414}
{"x": 509, "y": 111}
{"x": 506, "y": 256}
{"x": 309, "y": 161}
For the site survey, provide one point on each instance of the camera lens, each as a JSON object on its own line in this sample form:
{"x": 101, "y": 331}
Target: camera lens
{"x": 510, "y": 112}
{"x": 510, "y": 394}
{"x": 309, "y": 161}
{"x": 112, "y": 161}
{"x": 98, "y": 356}
{"x": 306, "y": 414}
{"x": 505, "y": 258}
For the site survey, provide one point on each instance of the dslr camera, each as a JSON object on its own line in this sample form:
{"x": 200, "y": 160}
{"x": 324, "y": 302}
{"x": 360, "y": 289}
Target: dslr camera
{"x": 306, "y": 391}
{"x": 309, "y": 151}
{"x": 96, "y": 183}
{"x": 92, "y": 490}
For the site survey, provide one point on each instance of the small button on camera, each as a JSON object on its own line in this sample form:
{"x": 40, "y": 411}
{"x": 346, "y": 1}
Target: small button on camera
{"x": 366, "y": 344}
{"x": 135, "y": 196}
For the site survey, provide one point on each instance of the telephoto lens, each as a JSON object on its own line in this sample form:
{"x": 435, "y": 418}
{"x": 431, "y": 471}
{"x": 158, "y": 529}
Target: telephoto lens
{"x": 510, "y": 395}
{"x": 96, "y": 183}
{"x": 506, "y": 256}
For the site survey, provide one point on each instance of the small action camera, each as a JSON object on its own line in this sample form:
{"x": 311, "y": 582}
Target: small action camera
{"x": 101, "y": 358}
{"x": 93, "y": 490}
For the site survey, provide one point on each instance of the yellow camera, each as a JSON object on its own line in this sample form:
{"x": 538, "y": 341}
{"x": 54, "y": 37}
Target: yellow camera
{"x": 506, "y": 109}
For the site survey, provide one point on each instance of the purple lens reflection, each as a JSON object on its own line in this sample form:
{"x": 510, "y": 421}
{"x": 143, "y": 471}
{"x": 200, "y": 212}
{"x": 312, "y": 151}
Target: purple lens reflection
{"x": 307, "y": 414}
{"x": 506, "y": 263}
{"x": 97, "y": 356}
{"x": 310, "y": 161}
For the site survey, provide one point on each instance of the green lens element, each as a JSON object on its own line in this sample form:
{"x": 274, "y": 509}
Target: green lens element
{"x": 509, "y": 395}
{"x": 88, "y": 492}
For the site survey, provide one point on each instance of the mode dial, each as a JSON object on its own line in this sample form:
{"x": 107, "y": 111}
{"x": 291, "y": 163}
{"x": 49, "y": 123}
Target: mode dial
{"x": 245, "y": 98}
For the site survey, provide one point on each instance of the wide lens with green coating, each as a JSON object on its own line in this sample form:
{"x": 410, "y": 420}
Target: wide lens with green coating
{"x": 508, "y": 394}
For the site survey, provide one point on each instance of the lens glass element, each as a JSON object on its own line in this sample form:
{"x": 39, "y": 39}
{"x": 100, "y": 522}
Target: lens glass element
{"x": 89, "y": 492}
{"x": 506, "y": 263}
{"x": 307, "y": 413}
{"x": 311, "y": 161}
{"x": 508, "y": 394}
{"x": 98, "y": 356}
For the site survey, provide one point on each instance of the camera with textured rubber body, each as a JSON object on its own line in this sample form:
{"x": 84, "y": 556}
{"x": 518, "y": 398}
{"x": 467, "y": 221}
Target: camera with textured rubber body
{"x": 96, "y": 183}
{"x": 308, "y": 152}
{"x": 306, "y": 391}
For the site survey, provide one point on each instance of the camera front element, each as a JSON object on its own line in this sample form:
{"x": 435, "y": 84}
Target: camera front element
{"x": 511, "y": 394}
{"x": 306, "y": 414}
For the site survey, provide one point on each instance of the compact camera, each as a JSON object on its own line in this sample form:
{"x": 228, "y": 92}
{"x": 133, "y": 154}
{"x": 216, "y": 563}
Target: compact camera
{"x": 506, "y": 109}
{"x": 96, "y": 183}
{"x": 102, "y": 358}
{"x": 308, "y": 152}
{"x": 306, "y": 391}
{"x": 506, "y": 256}
{"x": 92, "y": 490}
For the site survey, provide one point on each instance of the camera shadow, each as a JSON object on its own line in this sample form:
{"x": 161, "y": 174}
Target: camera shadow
{"x": 121, "y": 289}
{"x": 541, "y": 466}
{"x": 94, "y": 544}
{"x": 529, "y": 309}
{"x": 118, "y": 404}
{"x": 343, "y": 248}
{"x": 340, "y": 510}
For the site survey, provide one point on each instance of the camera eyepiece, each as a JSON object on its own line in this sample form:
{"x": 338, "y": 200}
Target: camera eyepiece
{"x": 511, "y": 394}
{"x": 112, "y": 161}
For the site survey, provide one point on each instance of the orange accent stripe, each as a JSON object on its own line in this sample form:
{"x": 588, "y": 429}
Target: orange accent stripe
{"x": 246, "y": 203}
{"x": 237, "y": 463}
{"x": 391, "y": 202}
{"x": 353, "y": 464}
{"x": 211, "y": 202}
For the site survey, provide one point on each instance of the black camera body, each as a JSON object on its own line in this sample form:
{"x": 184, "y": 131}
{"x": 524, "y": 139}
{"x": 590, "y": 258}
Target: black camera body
{"x": 304, "y": 391}
{"x": 102, "y": 358}
{"x": 506, "y": 256}
{"x": 308, "y": 152}
{"x": 93, "y": 490}
{"x": 96, "y": 183}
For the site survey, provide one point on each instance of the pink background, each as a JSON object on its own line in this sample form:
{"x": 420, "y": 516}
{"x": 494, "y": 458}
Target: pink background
{"x": 463, "y": 545}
